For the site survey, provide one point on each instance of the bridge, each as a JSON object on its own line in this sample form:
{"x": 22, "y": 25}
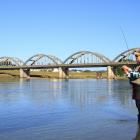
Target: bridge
{"x": 81, "y": 59}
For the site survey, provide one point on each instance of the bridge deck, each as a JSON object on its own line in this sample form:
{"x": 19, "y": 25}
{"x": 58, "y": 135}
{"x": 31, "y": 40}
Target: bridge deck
{"x": 112, "y": 64}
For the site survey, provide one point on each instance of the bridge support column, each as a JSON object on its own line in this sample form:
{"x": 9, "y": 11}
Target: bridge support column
{"x": 63, "y": 73}
{"x": 24, "y": 73}
{"x": 110, "y": 73}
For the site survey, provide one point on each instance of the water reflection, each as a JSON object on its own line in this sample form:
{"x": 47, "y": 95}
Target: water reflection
{"x": 44, "y": 91}
{"x": 76, "y": 109}
{"x": 79, "y": 92}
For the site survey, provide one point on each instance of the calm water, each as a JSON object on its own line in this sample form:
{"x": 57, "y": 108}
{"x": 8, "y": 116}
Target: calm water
{"x": 88, "y": 109}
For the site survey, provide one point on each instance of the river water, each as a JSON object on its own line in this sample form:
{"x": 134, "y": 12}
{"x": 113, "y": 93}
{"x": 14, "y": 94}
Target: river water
{"x": 76, "y": 109}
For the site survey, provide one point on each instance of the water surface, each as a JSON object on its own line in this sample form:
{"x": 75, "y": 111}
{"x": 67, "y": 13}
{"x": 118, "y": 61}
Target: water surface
{"x": 81, "y": 109}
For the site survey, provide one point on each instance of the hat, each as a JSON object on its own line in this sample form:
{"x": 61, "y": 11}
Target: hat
{"x": 137, "y": 52}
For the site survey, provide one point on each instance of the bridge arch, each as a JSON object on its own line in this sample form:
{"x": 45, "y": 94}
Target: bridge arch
{"x": 126, "y": 56}
{"x": 85, "y": 57}
{"x": 43, "y": 59}
{"x": 10, "y": 61}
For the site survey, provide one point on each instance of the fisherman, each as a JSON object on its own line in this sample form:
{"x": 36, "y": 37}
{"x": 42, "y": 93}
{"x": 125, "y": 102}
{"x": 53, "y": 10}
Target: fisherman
{"x": 134, "y": 77}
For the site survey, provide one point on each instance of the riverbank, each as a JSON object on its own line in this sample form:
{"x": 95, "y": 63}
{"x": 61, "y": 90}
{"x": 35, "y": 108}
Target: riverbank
{"x": 45, "y": 74}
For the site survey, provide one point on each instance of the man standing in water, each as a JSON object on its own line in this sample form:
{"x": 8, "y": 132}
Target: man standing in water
{"x": 134, "y": 77}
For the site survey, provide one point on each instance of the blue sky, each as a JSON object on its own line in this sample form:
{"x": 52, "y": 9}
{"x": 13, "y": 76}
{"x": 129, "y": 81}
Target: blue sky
{"x": 63, "y": 27}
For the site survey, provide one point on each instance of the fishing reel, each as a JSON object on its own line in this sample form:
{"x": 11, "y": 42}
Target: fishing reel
{"x": 133, "y": 75}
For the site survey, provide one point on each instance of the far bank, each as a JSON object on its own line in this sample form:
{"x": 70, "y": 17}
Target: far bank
{"x": 48, "y": 74}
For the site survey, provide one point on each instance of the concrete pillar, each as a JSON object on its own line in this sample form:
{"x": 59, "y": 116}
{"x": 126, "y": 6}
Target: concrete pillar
{"x": 24, "y": 73}
{"x": 110, "y": 73}
{"x": 63, "y": 73}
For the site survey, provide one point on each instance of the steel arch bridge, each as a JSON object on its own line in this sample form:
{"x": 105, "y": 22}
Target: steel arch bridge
{"x": 10, "y": 61}
{"x": 81, "y": 58}
{"x": 86, "y": 57}
{"x": 43, "y": 59}
{"x": 126, "y": 56}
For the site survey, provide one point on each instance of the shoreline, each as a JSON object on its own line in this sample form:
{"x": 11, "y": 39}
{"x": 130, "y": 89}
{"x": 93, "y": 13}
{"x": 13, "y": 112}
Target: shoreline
{"x": 54, "y": 75}
{"x": 9, "y": 77}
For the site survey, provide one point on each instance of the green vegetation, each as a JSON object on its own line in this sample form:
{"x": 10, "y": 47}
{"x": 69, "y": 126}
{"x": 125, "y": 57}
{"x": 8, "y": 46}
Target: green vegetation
{"x": 10, "y": 74}
{"x": 87, "y": 74}
{"x": 49, "y": 74}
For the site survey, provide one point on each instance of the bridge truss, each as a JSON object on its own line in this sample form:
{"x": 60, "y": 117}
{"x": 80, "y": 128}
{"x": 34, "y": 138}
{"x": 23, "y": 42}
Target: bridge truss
{"x": 126, "y": 56}
{"x": 81, "y": 57}
{"x": 10, "y": 61}
{"x": 86, "y": 57}
{"x": 42, "y": 59}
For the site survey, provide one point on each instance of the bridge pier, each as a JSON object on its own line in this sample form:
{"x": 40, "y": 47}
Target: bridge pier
{"x": 24, "y": 73}
{"x": 63, "y": 73}
{"x": 110, "y": 73}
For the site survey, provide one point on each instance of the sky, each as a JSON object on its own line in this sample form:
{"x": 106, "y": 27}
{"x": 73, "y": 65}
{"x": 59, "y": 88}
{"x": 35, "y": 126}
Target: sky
{"x": 63, "y": 27}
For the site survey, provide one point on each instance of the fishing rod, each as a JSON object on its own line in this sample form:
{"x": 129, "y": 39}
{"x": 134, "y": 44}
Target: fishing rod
{"x": 124, "y": 38}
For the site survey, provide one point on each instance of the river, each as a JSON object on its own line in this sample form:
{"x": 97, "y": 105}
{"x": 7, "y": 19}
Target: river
{"x": 75, "y": 109}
